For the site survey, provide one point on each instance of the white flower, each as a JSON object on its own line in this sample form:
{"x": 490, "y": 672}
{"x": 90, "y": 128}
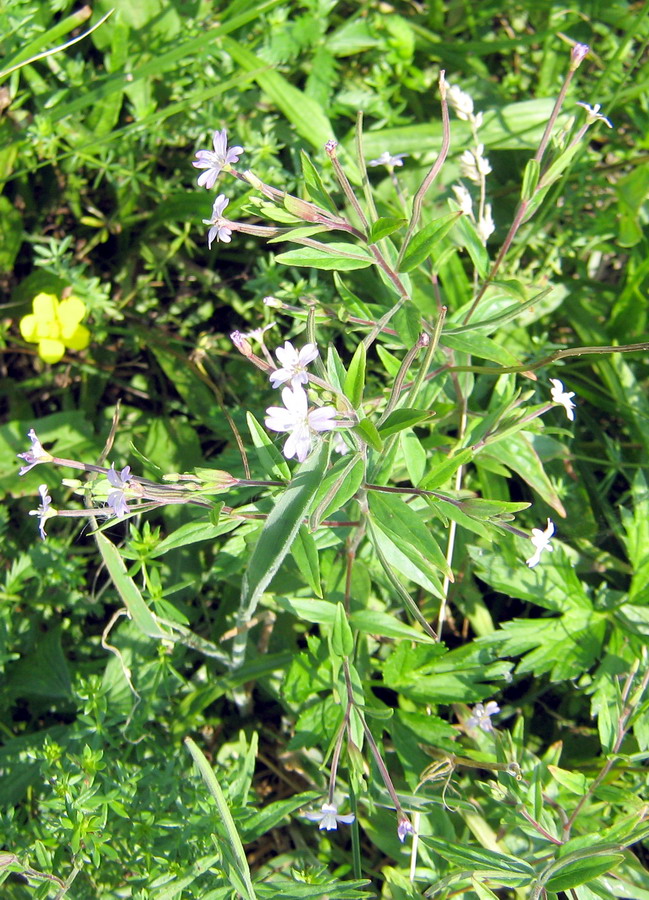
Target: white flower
{"x": 34, "y": 455}
{"x": 214, "y": 161}
{"x": 475, "y": 166}
{"x": 119, "y": 480}
{"x": 563, "y": 397}
{"x": 461, "y": 102}
{"x": 44, "y": 511}
{"x": 329, "y": 818}
{"x": 220, "y": 229}
{"x": 486, "y": 225}
{"x": 386, "y": 160}
{"x": 293, "y": 364}
{"x": 257, "y": 334}
{"x": 480, "y": 715}
{"x": 301, "y": 424}
{"x": 593, "y": 114}
{"x": 339, "y": 444}
{"x": 463, "y": 198}
{"x": 540, "y": 541}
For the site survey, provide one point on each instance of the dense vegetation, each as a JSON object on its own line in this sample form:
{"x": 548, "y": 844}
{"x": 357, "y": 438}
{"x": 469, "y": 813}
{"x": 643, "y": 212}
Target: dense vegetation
{"x": 327, "y": 574}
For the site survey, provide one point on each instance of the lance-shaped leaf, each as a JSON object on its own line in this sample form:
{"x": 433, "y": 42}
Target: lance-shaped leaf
{"x": 422, "y": 244}
{"x": 337, "y": 255}
{"x": 275, "y": 540}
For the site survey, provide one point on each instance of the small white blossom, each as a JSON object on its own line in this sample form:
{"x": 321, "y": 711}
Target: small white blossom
{"x": 339, "y": 444}
{"x": 293, "y": 364}
{"x": 214, "y": 161}
{"x": 540, "y": 542}
{"x": 257, "y": 334}
{"x": 34, "y": 455}
{"x": 475, "y": 166}
{"x": 220, "y": 229}
{"x": 563, "y": 397}
{"x": 329, "y": 818}
{"x": 480, "y": 716}
{"x": 463, "y": 198}
{"x": 44, "y": 511}
{"x": 119, "y": 480}
{"x": 593, "y": 114}
{"x": 461, "y": 102}
{"x": 386, "y": 160}
{"x": 486, "y": 225}
{"x": 295, "y": 418}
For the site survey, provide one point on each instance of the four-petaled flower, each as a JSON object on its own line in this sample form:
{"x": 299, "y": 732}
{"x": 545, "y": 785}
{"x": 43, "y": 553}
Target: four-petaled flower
{"x": 563, "y": 397}
{"x": 481, "y": 715}
{"x": 44, "y": 511}
{"x": 386, "y": 160}
{"x": 295, "y": 418}
{"x": 213, "y": 161}
{"x": 328, "y": 817}
{"x": 34, "y": 455}
{"x": 541, "y": 541}
{"x": 119, "y": 480}
{"x": 593, "y": 114}
{"x": 220, "y": 229}
{"x": 404, "y": 828}
{"x": 293, "y": 364}
{"x": 55, "y": 326}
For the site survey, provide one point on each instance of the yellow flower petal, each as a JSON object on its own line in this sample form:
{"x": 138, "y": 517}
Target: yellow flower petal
{"x": 45, "y": 306}
{"x": 47, "y": 329}
{"x": 51, "y": 351}
{"x": 71, "y": 312}
{"x": 79, "y": 339}
{"x": 28, "y": 328}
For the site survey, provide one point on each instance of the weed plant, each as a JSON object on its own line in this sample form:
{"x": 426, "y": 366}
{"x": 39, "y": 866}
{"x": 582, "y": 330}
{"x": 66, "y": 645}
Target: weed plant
{"x": 326, "y": 572}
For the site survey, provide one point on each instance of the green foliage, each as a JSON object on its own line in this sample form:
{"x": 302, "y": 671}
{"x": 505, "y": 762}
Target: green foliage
{"x": 257, "y": 637}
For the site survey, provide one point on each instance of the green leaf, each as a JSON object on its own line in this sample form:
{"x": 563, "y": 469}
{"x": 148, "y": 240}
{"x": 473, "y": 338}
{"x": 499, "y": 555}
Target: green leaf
{"x": 341, "y": 483}
{"x": 469, "y": 238}
{"x": 481, "y": 346}
{"x": 315, "y": 185}
{"x": 11, "y": 234}
{"x": 342, "y": 639}
{"x": 372, "y": 621}
{"x": 406, "y": 527}
{"x": 276, "y": 538}
{"x": 440, "y": 474}
{"x": 237, "y": 862}
{"x": 481, "y": 860}
{"x": 272, "y": 461}
{"x": 421, "y": 244}
{"x": 366, "y": 430}
{"x": 581, "y": 871}
{"x": 306, "y": 556}
{"x": 530, "y": 179}
{"x": 193, "y": 533}
{"x": 339, "y": 256}
{"x": 403, "y": 418}
{"x": 128, "y": 590}
{"x": 355, "y": 380}
{"x": 384, "y": 227}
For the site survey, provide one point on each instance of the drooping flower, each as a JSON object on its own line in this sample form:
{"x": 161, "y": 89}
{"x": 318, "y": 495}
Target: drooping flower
{"x": 385, "y": 159}
{"x": 329, "y": 818}
{"x": 55, "y": 326}
{"x": 461, "y": 102}
{"x": 593, "y": 114}
{"x": 295, "y": 418}
{"x": 463, "y": 198}
{"x": 44, "y": 511}
{"x": 404, "y": 828}
{"x": 293, "y": 364}
{"x": 116, "y": 500}
{"x": 481, "y": 715}
{"x": 559, "y": 395}
{"x": 474, "y": 165}
{"x": 339, "y": 444}
{"x": 214, "y": 161}
{"x": 221, "y": 228}
{"x": 486, "y": 225}
{"x": 34, "y": 455}
{"x": 540, "y": 542}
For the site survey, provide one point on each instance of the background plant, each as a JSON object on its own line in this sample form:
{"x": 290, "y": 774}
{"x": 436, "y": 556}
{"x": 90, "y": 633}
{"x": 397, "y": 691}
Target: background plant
{"x": 106, "y": 195}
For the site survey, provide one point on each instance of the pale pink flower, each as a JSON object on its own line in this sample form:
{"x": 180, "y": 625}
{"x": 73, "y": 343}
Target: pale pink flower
{"x": 293, "y": 364}
{"x": 329, "y": 818}
{"x": 213, "y": 161}
{"x": 294, "y": 417}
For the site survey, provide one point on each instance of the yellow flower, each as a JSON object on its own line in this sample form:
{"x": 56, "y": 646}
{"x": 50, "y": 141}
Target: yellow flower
{"x": 55, "y": 326}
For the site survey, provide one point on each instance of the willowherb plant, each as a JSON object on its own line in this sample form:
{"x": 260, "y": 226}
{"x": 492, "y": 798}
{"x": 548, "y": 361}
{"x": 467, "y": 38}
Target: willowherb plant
{"x": 408, "y": 436}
